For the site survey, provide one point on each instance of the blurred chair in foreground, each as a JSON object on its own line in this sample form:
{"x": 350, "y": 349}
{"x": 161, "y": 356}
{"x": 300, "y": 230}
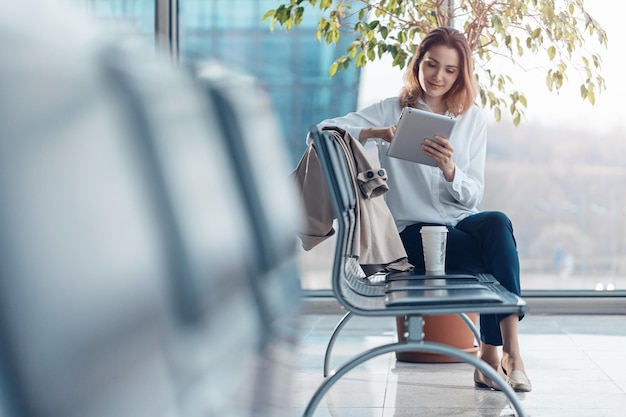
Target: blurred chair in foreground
{"x": 257, "y": 150}
{"x": 127, "y": 260}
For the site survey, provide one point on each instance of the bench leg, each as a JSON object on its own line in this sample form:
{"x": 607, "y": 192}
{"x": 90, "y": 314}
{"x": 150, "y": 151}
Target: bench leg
{"x": 332, "y": 340}
{"x": 471, "y": 325}
{"x": 430, "y": 347}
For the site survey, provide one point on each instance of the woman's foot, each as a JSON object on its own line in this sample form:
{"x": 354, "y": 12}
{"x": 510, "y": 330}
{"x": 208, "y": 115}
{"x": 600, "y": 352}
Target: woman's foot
{"x": 481, "y": 381}
{"x": 489, "y": 356}
{"x": 516, "y": 378}
{"x": 511, "y": 361}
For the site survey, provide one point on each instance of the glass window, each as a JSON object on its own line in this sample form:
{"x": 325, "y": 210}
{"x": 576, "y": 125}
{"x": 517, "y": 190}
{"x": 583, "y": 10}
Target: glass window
{"x": 560, "y": 175}
{"x": 128, "y": 15}
{"x": 292, "y": 66}
{"x": 566, "y": 196}
{"x": 274, "y": 63}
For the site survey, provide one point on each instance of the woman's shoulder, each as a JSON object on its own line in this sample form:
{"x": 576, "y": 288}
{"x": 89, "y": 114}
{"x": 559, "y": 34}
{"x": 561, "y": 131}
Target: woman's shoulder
{"x": 389, "y": 102}
{"x": 475, "y": 113}
{"x": 383, "y": 112}
{"x": 395, "y": 100}
{"x": 475, "y": 110}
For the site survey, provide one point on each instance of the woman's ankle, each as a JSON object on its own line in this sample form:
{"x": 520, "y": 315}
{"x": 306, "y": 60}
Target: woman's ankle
{"x": 491, "y": 361}
{"x": 511, "y": 362}
{"x": 489, "y": 354}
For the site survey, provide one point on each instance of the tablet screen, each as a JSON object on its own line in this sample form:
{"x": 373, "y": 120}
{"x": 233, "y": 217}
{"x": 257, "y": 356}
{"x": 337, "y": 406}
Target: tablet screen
{"x": 413, "y": 128}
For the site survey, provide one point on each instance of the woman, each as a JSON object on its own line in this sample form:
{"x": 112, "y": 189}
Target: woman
{"x": 440, "y": 79}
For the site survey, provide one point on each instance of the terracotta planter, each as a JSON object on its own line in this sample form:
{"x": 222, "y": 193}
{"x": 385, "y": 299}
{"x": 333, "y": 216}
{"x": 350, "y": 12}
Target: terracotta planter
{"x": 447, "y": 329}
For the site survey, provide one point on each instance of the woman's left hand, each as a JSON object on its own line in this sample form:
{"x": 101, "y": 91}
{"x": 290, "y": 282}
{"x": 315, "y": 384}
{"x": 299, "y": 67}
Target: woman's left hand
{"x": 441, "y": 151}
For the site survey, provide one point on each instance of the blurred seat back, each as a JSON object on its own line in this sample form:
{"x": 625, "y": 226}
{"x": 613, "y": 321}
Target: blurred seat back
{"x": 125, "y": 258}
{"x": 83, "y": 261}
{"x": 258, "y": 151}
{"x": 215, "y": 344}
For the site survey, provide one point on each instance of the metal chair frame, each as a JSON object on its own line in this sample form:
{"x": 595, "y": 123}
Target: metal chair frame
{"x": 417, "y": 297}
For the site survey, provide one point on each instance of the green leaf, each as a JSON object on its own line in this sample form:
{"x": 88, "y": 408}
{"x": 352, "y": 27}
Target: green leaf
{"x": 361, "y": 59}
{"x": 549, "y": 81}
{"x": 551, "y": 52}
{"x": 352, "y": 49}
{"x": 592, "y": 98}
{"x": 596, "y": 60}
{"x": 333, "y": 69}
{"x": 523, "y": 100}
{"x": 393, "y": 50}
{"x": 497, "y": 113}
{"x": 269, "y": 13}
{"x": 384, "y": 32}
{"x": 299, "y": 14}
{"x": 382, "y": 48}
{"x": 496, "y": 23}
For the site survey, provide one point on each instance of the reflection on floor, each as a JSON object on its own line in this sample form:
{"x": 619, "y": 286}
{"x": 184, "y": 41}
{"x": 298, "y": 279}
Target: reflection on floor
{"x": 577, "y": 365}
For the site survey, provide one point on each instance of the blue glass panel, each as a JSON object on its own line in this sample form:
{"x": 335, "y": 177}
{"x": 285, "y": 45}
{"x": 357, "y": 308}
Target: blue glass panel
{"x": 136, "y": 14}
{"x": 293, "y": 66}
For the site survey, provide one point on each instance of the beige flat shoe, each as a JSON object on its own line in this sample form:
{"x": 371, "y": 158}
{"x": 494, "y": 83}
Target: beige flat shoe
{"x": 481, "y": 381}
{"x": 516, "y": 379}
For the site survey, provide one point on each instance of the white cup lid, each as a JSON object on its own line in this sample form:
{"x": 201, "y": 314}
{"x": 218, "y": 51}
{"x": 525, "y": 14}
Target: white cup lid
{"x": 434, "y": 229}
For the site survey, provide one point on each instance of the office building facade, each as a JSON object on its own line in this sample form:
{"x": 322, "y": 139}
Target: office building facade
{"x": 293, "y": 66}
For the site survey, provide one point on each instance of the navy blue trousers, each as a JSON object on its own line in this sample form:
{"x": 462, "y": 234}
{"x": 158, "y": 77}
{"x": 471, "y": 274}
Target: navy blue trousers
{"x": 481, "y": 243}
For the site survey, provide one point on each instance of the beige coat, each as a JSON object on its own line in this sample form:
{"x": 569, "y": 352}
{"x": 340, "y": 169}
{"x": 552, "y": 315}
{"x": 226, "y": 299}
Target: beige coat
{"x": 376, "y": 243}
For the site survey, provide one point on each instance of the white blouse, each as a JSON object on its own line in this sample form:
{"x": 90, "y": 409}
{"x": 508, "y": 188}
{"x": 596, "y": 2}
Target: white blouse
{"x": 419, "y": 193}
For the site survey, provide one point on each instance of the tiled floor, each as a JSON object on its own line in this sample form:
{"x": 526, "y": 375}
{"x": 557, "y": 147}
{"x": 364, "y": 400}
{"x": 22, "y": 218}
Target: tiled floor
{"x": 577, "y": 365}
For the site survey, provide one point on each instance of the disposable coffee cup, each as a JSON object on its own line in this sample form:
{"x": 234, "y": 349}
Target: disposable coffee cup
{"x": 434, "y": 240}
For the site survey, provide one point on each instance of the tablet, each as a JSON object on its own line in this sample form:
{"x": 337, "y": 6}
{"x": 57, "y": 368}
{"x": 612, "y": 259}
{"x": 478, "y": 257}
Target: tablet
{"x": 413, "y": 128}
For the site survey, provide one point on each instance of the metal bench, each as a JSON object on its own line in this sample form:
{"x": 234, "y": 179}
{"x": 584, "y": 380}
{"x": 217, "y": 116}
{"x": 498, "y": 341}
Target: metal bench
{"x": 401, "y": 294}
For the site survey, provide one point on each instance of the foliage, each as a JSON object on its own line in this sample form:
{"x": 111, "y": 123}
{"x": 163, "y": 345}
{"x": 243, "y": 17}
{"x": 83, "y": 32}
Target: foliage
{"x": 556, "y": 31}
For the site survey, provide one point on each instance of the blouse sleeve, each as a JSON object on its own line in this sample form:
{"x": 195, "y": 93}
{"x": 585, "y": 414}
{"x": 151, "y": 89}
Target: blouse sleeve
{"x": 373, "y": 115}
{"x": 469, "y": 179}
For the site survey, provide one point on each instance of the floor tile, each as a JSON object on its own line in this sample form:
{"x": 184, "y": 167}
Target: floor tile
{"x": 575, "y": 363}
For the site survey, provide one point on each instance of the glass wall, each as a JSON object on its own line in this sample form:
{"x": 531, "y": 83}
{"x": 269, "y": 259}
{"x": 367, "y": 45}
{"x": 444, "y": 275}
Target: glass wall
{"x": 135, "y": 16}
{"x": 567, "y": 198}
{"x": 292, "y": 66}
{"x": 560, "y": 177}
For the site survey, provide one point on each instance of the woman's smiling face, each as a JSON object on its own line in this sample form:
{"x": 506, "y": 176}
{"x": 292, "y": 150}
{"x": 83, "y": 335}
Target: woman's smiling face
{"x": 438, "y": 71}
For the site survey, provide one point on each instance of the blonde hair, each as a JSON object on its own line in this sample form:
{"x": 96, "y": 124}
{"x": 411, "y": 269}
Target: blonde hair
{"x": 464, "y": 90}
